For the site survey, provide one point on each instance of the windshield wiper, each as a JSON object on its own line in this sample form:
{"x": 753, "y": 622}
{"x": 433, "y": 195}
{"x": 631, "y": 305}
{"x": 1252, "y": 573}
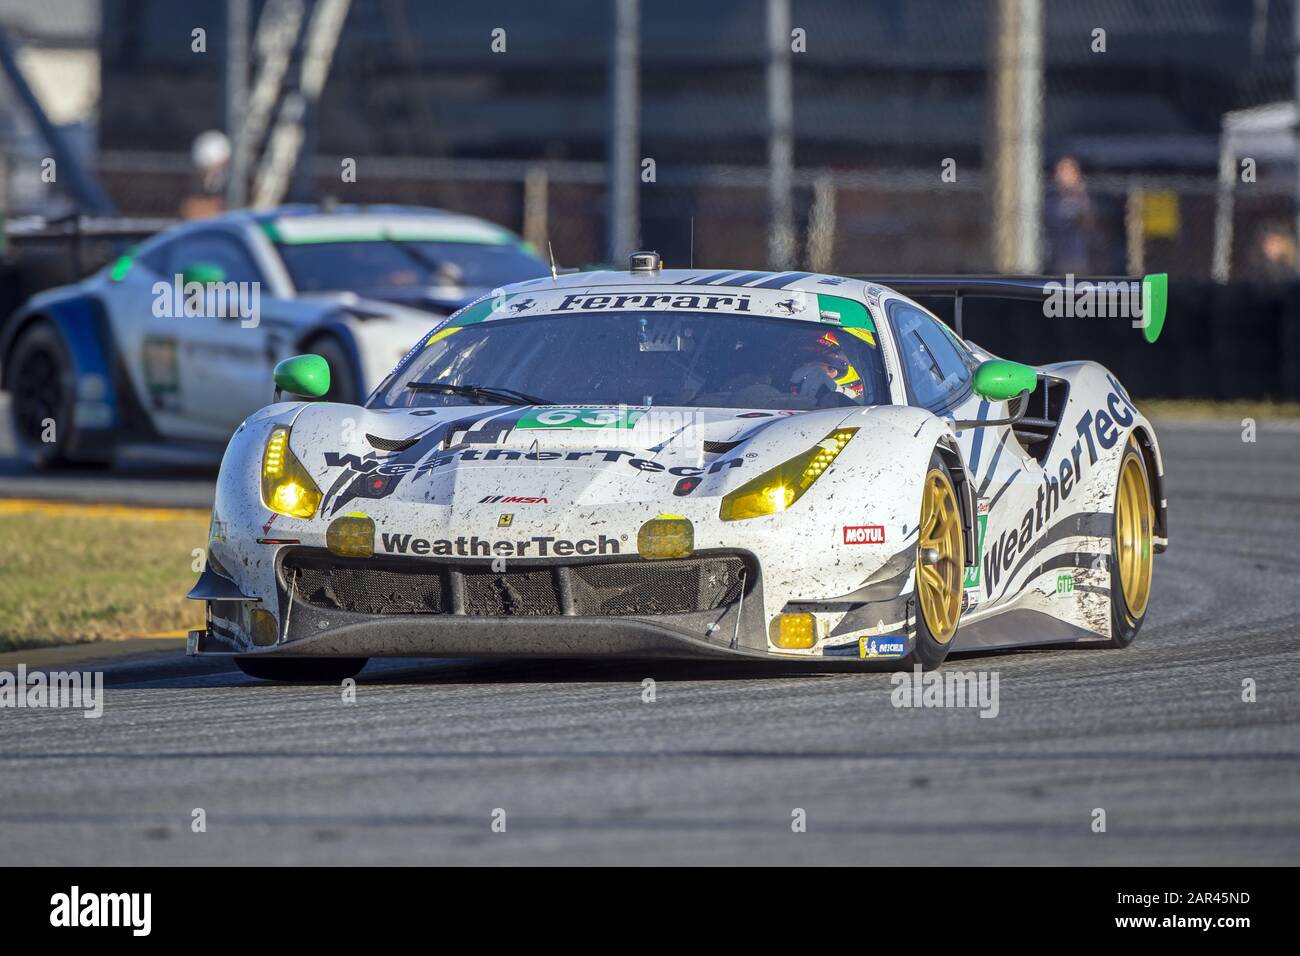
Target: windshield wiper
{"x": 503, "y": 396}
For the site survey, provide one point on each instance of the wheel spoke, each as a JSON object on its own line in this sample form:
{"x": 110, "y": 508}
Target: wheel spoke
{"x": 931, "y": 579}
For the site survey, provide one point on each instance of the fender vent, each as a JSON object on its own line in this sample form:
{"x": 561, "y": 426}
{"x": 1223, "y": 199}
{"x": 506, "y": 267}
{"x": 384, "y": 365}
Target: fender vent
{"x": 391, "y": 444}
{"x": 718, "y": 447}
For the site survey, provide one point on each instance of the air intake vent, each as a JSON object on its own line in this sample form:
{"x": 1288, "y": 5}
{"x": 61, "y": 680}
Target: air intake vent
{"x": 401, "y": 585}
{"x": 391, "y": 444}
{"x": 718, "y": 447}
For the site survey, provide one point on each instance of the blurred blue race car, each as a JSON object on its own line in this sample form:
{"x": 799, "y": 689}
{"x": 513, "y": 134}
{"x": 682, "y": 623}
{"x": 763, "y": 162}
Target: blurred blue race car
{"x": 171, "y": 345}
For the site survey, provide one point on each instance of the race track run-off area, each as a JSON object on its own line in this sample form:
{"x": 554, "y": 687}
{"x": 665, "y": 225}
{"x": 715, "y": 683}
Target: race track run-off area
{"x": 573, "y": 766}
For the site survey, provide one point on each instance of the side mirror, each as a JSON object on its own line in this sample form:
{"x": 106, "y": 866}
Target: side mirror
{"x": 203, "y": 273}
{"x": 307, "y": 375}
{"x": 1000, "y": 381}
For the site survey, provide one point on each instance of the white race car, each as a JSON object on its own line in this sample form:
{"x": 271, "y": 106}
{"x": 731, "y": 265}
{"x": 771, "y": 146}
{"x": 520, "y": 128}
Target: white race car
{"x": 780, "y": 467}
{"x": 167, "y": 349}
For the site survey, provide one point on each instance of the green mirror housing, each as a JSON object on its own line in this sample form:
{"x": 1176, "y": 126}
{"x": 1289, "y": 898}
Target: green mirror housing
{"x": 307, "y": 375}
{"x": 203, "y": 273}
{"x": 999, "y": 380}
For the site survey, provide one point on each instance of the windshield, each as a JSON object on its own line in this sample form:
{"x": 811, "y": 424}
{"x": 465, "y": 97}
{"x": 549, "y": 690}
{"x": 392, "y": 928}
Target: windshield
{"x": 403, "y": 265}
{"x": 644, "y": 358}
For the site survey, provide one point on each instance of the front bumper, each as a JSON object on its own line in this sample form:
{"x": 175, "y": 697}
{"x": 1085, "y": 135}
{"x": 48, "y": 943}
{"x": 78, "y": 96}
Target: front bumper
{"x": 319, "y": 616}
{"x": 408, "y": 607}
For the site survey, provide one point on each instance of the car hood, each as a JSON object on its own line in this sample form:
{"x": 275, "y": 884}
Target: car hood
{"x": 371, "y": 306}
{"x": 439, "y": 300}
{"x": 455, "y": 462}
{"x": 421, "y": 300}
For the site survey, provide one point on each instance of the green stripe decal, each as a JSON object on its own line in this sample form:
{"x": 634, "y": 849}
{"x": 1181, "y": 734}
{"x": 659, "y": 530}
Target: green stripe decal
{"x": 581, "y": 416}
{"x": 851, "y": 314}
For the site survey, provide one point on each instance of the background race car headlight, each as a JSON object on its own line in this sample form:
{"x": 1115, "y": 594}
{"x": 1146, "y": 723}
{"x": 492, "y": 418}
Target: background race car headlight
{"x": 777, "y": 489}
{"x": 287, "y": 489}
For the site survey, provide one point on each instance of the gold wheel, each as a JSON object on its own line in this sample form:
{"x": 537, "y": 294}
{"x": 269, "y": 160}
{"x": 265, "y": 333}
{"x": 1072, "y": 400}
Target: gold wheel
{"x": 939, "y": 557}
{"x": 1134, "y": 519}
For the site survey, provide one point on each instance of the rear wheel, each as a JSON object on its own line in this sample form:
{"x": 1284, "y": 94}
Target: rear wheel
{"x": 1132, "y": 558}
{"x": 940, "y": 566}
{"x": 304, "y": 670}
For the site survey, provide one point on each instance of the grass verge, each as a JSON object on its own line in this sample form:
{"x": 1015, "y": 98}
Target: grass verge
{"x": 73, "y": 573}
{"x": 1191, "y": 409}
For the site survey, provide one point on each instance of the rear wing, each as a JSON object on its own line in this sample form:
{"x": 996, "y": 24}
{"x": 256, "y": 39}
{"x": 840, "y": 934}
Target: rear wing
{"x": 1151, "y": 293}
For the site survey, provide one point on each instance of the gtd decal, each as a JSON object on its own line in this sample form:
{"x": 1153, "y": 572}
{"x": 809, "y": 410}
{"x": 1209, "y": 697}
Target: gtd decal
{"x": 864, "y": 534}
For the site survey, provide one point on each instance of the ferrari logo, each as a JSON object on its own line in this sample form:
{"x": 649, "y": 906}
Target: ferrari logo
{"x": 504, "y": 521}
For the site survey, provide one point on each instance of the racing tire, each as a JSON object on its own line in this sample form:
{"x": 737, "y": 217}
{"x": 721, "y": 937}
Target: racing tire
{"x": 939, "y": 567}
{"x": 302, "y": 670}
{"x": 1132, "y": 553}
{"x": 343, "y": 382}
{"x": 41, "y": 383}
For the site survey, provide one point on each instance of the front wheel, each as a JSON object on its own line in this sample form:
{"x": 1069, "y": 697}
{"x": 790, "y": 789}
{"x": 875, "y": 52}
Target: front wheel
{"x": 940, "y": 566}
{"x": 41, "y": 386}
{"x": 302, "y": 670}
{"x": 1132, "y": 560}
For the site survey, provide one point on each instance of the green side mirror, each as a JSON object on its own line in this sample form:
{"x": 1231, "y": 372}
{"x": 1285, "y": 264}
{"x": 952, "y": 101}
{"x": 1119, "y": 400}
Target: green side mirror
{"x": 999, "y": 380}
{"x": 307, "y": 375}
{"x": 203, "y": 273}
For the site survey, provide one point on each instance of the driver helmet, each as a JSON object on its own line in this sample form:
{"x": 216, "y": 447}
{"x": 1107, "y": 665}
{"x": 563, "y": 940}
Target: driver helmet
{"x": 825, "y": 354}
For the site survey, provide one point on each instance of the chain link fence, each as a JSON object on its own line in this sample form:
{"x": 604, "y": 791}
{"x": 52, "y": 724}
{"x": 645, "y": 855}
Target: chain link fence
{"x": 887, "y": 222}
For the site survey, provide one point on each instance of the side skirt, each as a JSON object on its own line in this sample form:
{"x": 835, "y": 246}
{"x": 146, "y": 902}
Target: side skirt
{"x": 1020, "y": 627}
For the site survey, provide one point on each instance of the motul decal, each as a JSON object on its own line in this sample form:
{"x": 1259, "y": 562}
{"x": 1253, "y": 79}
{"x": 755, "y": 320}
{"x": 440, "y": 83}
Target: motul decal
{"x": 864, "y": 534}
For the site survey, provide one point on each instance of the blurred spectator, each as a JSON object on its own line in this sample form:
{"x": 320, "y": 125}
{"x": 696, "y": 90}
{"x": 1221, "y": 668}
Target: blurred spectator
{"x": 1274, "y": 257}
{"x": 1068, "y": 220}
{"x": 211, "y": 157}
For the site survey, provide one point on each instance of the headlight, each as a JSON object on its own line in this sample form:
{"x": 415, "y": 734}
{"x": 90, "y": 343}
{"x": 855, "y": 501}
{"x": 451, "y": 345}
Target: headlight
{"x": 777, "y": 489}
{"x": 287, "y": 489}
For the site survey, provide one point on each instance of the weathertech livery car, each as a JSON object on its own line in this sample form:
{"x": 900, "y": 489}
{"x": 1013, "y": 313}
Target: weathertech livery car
{"x": 651, "y": 463}
{"x": 172, "y": 345}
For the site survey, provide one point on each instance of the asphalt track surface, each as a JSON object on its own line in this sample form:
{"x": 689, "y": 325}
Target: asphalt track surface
{"x": 1157, "y": 735}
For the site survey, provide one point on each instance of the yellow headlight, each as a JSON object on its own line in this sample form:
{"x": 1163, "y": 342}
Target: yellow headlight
{"x": 287, "y": 488}
{"x": 667, "y": 536}
{"x": 778, "y": 488}
{"x": 273, "y": 460}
